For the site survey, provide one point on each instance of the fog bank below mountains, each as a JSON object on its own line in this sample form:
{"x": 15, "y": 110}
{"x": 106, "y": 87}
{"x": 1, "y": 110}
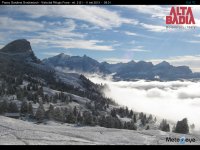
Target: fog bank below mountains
{"x": 173, "y": 100}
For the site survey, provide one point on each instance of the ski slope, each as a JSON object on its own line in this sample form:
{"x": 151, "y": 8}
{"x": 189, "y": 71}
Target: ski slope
{"x": 18, "y": 132}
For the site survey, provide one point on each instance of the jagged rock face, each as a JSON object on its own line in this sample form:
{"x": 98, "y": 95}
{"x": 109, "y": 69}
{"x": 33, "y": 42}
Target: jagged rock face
{"x": 83, "y": 64}
{"x": 17, "y": 46}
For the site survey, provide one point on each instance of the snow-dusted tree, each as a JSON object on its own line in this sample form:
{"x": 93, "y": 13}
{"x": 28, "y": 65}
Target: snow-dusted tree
{"x": 58, "y": 114}
{"x": 148, "y": 127}
{"x": 150, "y": 118}
{"x": 134, "y": 118}
{"x": 30, "y": 109}
{"x": 51, "y": 112}
{"x": 75, "y": 112}
{"x": 79, "y": 118}
{"x": 125, "y": 125}
{"x": 87, "y": 118}
{"x": 70, "y": 118}
{"x": 141, "y": 115}
{"x": 102, "y": 121}
{"x": 182, "y": 126}
{"x": 24, "y": 107}
{"x": 164, "y": 126}
{"x": 131, "y": 125}
{"x": 4, "y": 106}
{"x": 113, "y": 113}
{"x": 40, "y": 113}
{"x": 12, "y": 108}
{"x": 144, "y": 120}
{"x": 127, "y": 111}
{"x": 131, "y": 114}
{"x": 155, "y": 119}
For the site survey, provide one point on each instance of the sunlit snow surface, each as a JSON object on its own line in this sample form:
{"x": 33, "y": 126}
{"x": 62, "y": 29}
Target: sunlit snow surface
{"x": 13, "y": 131}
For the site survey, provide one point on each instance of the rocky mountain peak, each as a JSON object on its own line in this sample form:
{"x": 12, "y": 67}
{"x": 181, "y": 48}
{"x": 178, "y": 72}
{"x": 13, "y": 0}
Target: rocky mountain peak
{"x": 17, "y": 46}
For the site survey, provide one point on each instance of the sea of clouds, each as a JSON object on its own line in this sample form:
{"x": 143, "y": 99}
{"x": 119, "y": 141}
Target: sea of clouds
{"x": 172, "y": 100}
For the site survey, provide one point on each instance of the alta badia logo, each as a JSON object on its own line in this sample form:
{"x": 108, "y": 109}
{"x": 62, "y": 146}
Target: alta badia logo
{"x": 180, "y": 17}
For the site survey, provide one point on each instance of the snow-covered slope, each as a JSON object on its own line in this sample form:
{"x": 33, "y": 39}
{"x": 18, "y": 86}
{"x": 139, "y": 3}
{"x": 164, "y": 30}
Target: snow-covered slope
{"x": 18, "y": 132}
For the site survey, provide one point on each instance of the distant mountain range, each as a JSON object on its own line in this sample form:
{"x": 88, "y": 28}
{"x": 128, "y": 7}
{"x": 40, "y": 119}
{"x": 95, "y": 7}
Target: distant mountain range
{"x": 122, "y": 71}
{"x": 77, "y": 63}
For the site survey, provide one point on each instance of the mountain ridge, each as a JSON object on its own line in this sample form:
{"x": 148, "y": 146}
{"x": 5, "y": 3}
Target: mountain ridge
{"x": 124, "y": 71}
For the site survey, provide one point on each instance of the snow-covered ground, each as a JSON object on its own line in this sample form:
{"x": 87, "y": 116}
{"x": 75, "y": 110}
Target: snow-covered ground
{"x": 18, "y": 132}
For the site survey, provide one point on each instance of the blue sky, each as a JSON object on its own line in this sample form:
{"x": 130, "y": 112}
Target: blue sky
{"x": 106, "y": 33}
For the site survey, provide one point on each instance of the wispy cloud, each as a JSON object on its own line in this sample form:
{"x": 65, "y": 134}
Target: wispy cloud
{"x": 74, "y": 43}
{"x": 65, "y": 36}
{"x": 155, "y": 11}
{"x": 97, "y": 16}
{"x": 83, "y": 44}
{"x": 7, "y": 23}
{"x": 130, "y": 33}
{"x": 154, "y": 28}
{"x": 197, "y": 35}
{"x": 139, "y": 50}
{"x": 193, "y": 41}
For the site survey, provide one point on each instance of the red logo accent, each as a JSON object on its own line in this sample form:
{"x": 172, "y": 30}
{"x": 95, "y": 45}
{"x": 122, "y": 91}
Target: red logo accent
{"x": 180, "y": 15}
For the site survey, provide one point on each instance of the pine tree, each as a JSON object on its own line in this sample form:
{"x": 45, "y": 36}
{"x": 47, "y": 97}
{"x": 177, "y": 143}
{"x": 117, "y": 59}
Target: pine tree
{"x": 75, "y": 111}
{"x": 40, "y": 113}
{"x": 79, "y": 118}
{"x": 164, "y": 126}
{"x": 102, "y": 121}
{"x": 51, "y": 112}
{"x": 113, "y": 113}
{"x": 87, "y": 118}
{"x": 148, "y": 127}
{"x": 12, "y": 108}
{"x": 58, "y": 114}
{"x": 182, "y": 126}
{"x": 20, "y": 94}
{"x": 144, "y": 120}
{"x": 141, "y": 115}
{"x": 30, "y": 109}
{"x": 127, "y": 112}
{"x": 150, "y": 118}
{"x": 133, "y": 126}
{"x": 70, "y": 118}
{"x": 131, "y": 114}
{"x": 155, "y": 119}
{"x": 125, "y": 125}
{"x": 24, "y": 107}
{"x": 134, "y": 118}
